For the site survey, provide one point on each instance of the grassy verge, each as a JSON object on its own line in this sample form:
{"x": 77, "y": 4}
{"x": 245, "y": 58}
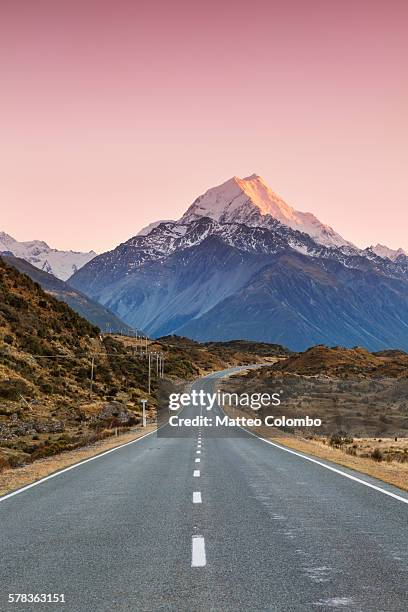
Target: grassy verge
{"x": 15, "y": 478}
{"x": 391, "y": 472}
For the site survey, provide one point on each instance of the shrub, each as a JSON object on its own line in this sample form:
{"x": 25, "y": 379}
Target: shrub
{"x": 377, "y": 455}
{"x": 12, "y": 388}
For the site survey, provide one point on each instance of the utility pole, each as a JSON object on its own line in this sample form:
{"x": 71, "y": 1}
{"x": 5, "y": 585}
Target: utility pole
{"x": 157, "y": 365}
{"x": 92, "y": 371}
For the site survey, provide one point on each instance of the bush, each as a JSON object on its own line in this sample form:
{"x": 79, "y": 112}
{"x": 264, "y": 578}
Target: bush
{"x": 12, "y": 388}
{"x": 377, "y": 455}
{"x": 339, "y": 438}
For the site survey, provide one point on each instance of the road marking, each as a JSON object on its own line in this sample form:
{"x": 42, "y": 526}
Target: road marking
{"x": 196, "y": 474}
{"x": 198, "y": 558}
{"x": 198, "y": 452}
{"x": 332, "y": 469}
{"x": 198, "y": 460}
{"x": 197, "y": 497}
{"x": 72, "y": 467}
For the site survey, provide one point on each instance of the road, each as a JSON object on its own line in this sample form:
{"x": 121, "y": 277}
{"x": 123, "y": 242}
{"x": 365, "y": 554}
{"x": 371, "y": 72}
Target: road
{"x": 259, "y": 528}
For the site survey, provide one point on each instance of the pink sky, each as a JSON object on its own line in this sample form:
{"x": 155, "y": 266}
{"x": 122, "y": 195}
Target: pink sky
{"x": 116, "y": 114}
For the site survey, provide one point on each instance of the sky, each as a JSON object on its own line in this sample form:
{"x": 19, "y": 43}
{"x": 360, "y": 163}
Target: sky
{"x": 118, "y": 113}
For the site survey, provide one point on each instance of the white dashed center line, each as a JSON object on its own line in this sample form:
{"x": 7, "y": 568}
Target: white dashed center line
{"x": 196, "y": 474}
{"x": 197, "y": 460}
{"x": 198, "y": 552}
{"x": 197, "y": 497}
{"x": 198, "y": 452}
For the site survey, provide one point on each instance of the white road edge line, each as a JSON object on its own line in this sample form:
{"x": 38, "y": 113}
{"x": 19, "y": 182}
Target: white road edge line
{"x": 328, "y": 467}
{"x": 332, "y": 469}
{"x": 198, "y": 558}
{"x": 72, "y": 467}
{"x": 196, "y": 474}
{"x": 197, "y": 497}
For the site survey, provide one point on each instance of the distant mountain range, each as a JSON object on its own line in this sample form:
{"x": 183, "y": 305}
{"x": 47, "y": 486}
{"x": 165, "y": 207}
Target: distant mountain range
{"x": 89, "y": 309}
{"x": 239, "y": 264}
{"x": 61, "y": 264}
{"x": 243, "y": 264}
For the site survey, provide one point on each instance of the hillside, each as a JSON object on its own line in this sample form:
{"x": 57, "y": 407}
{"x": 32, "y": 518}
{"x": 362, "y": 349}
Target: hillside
{"x": 63, "y": 385}
{"x": 78, "y": 301}
{"x": 353, "y": 392}
{"x": 341, "y": 362}
{"x": 300, "y": 301}
{"x": 47, "y": 402}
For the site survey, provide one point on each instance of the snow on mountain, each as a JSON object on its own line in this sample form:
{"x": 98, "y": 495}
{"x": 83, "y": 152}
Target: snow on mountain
{"x": 61, "y": 264}
{"x": 146, "y": 230}
{"x": 251, "y": 201}
{"x": 384, "y": 251}
{"x": 241, "y": 263}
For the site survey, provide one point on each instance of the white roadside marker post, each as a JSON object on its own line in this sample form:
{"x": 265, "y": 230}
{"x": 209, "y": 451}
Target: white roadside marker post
{"x": 149, "y": 374}
{"x": 92, "y": 372}
{"x": 143, "y": 402}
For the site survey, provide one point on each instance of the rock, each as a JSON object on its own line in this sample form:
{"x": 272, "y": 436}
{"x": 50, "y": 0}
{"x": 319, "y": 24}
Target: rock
{"x": 117, "y": 413}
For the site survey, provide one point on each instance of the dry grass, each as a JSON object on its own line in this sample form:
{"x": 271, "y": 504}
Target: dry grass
{"x": 12, "y": 479}
{"x": 394, "y": 473}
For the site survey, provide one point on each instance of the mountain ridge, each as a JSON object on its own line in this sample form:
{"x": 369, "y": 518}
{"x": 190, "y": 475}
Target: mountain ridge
{"x": 61, "y": 264}
{"x": 195, "y": 277}
{"x": 89, "y": 309}
{"x": 251, "y": 201}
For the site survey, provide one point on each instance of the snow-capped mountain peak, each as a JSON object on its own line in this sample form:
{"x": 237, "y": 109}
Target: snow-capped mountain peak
{"x": 61, "y": 264}
{"x": 145, "y": 231}
{"x": 251, "y": 201}
{"x": 384, "y": 251}
{"x": 6, "y": 240}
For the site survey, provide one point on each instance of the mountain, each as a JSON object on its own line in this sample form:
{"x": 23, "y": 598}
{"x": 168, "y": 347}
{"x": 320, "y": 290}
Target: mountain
{"x": 384, "y": 251}
{"x": 251, "y": 201}
{"x": 172, "y": 237}
{"x": 61, "y": 264}
{"x": 94, "y": 312}
{"x": 146, "y": 230}
{"x": 301, "y": 301}
{"x": 241, "y": 273}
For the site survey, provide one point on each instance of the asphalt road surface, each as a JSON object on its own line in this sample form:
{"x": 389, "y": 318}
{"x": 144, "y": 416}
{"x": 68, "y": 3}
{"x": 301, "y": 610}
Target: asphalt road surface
{"x": 249, "y": 526}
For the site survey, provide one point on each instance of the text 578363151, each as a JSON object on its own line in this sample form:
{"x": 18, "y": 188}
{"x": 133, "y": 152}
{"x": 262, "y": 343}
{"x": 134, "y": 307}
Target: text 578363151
{"x": 36, "y": 598}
